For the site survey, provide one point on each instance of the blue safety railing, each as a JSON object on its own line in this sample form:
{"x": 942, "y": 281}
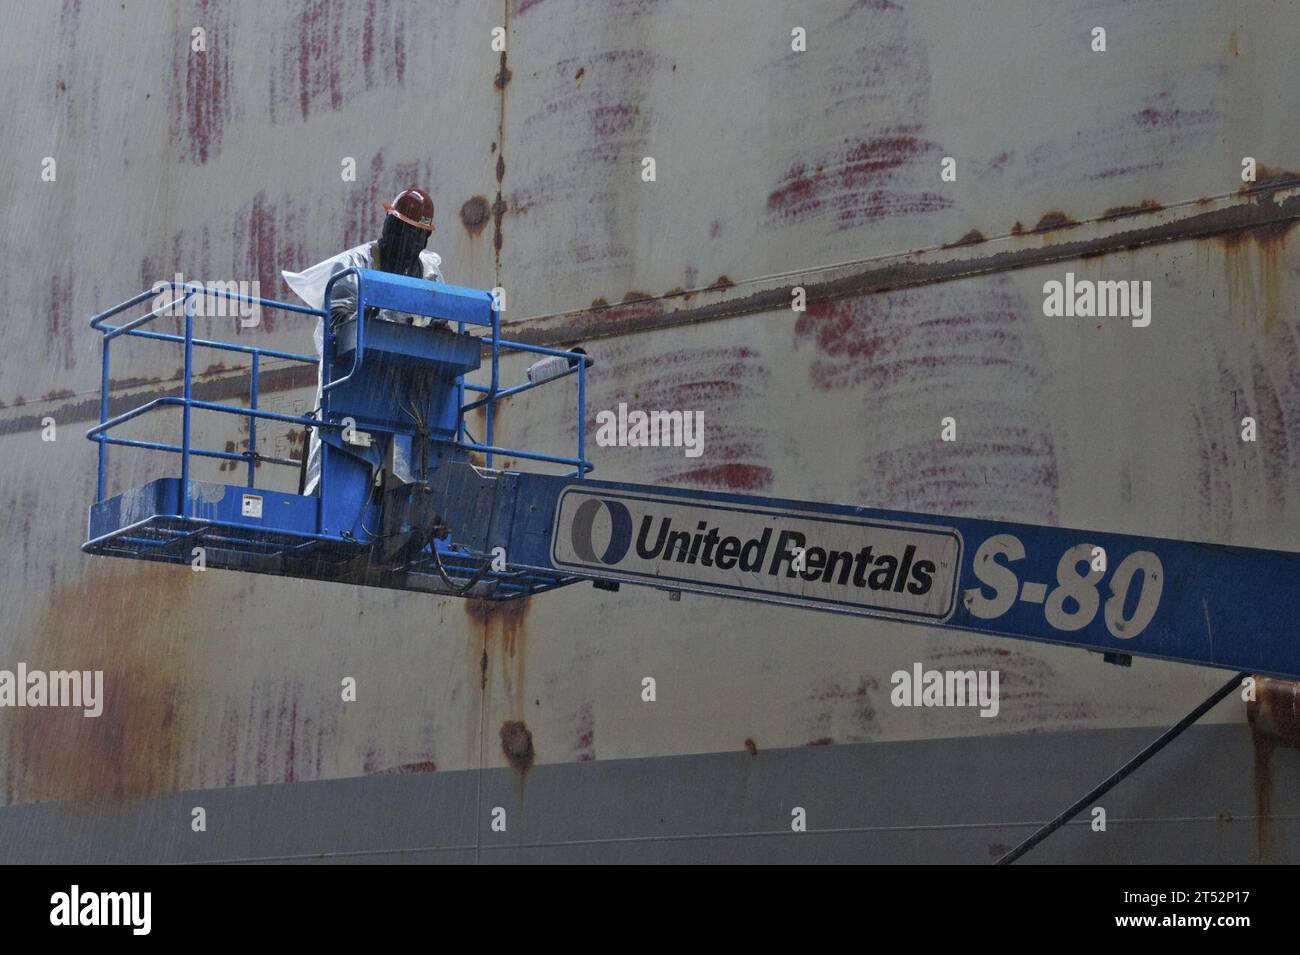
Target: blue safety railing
{"x": 186, "y": 400}
{"x": 184, "y": 296}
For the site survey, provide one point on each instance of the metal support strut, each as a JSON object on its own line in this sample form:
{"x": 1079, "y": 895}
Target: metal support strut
{"x": 1124, "y": 771}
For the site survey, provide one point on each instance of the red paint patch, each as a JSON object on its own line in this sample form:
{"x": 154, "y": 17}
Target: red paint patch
{"x": 1276, "y": 381}
{"x": 584, "y": 729}
{"x": 919, "y": 355}
{"x": 590, "y": 130}
{"x": 727, "y": 384}
{"x": 1173, "y": 117}
{"x": 272, "y": 241}
{"x": 405, "y": 769}
{"x": 61, "y": 320}
{"x": 273, "y": 740}
{"x": 268, "y": 237}
{"x": 200, "y": 118}
{"x": 850, "y": 709}
{"x": 730, "y": 477}
{"x": 862, "y": 180}
{"x": 1032, "y": 696}
{"x": 318, "y": 70}
{"x": 1134, "y": 145}
{"x": 1218, "y": 464}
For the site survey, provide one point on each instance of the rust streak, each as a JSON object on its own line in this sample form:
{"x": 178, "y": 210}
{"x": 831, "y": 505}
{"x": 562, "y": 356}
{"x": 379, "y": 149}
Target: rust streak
{"x": 1275, "y": 711}
{"x": 474, "y": 214}
{"x": 232, "y": 385}
{"x": 1119, "y": 212}
{"x": 1274, "y": 717}
{"x": 517, "y": 745}
{"x": 1263, "y": 796}
{"x": 1053, "y": 220}
{"x": 505, "y": 636}
{"x": 973, "y": 237}
{"x": 1267, "y": 213}
{"x": 136, "y": 637}
{"x": 1268, "y": 178}
{"x": 1256, "y": 271}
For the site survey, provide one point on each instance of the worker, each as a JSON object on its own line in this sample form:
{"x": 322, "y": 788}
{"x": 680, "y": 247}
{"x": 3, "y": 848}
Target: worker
{"x": 400, "y": 249}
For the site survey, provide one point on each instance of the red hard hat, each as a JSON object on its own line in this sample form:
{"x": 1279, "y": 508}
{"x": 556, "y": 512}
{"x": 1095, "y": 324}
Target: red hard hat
{"x": 414, "y": 207}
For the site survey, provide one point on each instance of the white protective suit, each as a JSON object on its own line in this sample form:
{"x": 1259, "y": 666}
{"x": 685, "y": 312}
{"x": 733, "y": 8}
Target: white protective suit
{"x": 309, "y": 285}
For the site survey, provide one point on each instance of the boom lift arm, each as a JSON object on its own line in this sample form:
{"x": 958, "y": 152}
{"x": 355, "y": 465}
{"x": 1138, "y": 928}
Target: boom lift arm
{"x": 471, "y": 530}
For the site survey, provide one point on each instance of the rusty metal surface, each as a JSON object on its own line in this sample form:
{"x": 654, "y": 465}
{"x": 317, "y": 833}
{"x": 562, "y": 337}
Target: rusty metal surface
{"x": 774, "y": 169}
{"x": 771, "y": 162}
{"x": 1261, "y": 214}
{"x": 1275, "y": 711}
{"x": 225, "y": 165}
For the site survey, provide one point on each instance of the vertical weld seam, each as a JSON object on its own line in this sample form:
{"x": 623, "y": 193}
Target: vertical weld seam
{"x": 497, "y": 221}
{"x": 482, "y": 742}
{"x": 482, "y": 702}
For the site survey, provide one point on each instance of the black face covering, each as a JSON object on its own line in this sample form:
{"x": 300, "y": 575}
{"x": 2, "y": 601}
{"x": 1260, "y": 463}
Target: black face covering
{"x": 400, "y": 246}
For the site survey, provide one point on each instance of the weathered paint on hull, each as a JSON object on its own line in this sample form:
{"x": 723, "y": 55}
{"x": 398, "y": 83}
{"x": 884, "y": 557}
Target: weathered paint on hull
{"x": 774, "y": 168}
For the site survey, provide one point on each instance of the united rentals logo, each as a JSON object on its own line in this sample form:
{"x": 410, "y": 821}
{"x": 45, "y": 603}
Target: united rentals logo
{"x": 809, "y": 558}
{"x": 584, "y": 520}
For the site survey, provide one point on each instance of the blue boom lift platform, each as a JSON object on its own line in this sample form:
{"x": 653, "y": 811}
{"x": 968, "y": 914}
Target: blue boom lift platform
{"x": 463, "y": 529}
